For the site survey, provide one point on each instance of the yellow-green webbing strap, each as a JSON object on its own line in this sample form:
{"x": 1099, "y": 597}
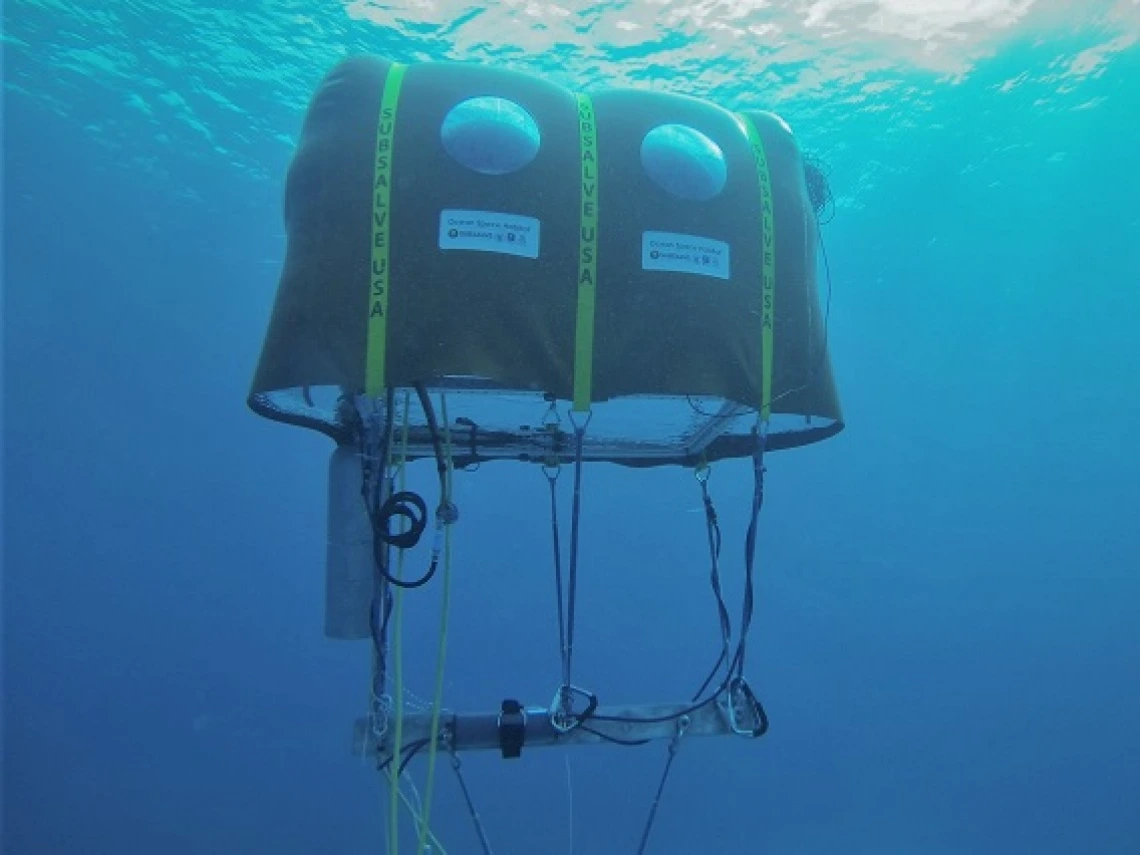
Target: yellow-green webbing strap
{"x": 379, "y": 274}
{"x": 587, "y": 256}
{"x": 441, "y": 655}
{"x": 396, "y": 794}
{"x": 398, "y": 658}
{"x": 767, "y": 268}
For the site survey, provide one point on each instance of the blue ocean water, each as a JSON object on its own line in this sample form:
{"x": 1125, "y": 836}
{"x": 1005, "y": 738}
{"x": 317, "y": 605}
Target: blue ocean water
{"x": 946, "y": 636}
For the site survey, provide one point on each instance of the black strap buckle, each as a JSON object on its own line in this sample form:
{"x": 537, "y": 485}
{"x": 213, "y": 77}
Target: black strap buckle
{"x": 512, "y": 729}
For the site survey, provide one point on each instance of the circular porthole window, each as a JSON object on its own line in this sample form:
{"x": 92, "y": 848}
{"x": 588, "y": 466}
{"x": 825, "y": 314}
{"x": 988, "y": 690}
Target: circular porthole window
{"x": 492, "y": 136}
{"x": 683, "y": 162}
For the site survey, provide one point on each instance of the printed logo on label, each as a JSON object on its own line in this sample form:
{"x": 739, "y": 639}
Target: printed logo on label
{"x": 489, "y": 231}
{"x": 684, "y": 254}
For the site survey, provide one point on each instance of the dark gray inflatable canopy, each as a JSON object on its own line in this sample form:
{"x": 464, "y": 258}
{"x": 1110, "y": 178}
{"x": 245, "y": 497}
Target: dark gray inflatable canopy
{"x": 479, "y": 248}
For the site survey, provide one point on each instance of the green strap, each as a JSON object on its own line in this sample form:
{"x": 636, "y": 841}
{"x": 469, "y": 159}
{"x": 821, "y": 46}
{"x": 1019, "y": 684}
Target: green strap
{"x": 441, "y": 652}
{"x": 767, "y": 268}
{"x": 587, "y": 257}
{"x": 376, "y": 353}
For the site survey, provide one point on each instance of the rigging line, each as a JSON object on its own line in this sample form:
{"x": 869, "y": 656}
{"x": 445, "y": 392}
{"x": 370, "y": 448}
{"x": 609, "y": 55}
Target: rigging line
{"x": 673, "y": 745}
{"x": 720, "y": 660}
{"x": 712, "y": 527}
{"x": 552, "y": 477}
{"x": 375, "y": 476}
{"x": 817, "y": 364}
{"x": 715, "y": 541}
{"x": 457, "y": 765}
{"x": 408, "y": 751}
{"x": 575, "y": 517}
{"x": 614, "y": 740}
{"x": 678, "y": 714}
{"x": 760, "y": 435}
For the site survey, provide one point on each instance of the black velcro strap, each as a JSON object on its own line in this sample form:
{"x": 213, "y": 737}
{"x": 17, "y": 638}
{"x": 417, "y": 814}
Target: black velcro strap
{"x": 512, "y": 729}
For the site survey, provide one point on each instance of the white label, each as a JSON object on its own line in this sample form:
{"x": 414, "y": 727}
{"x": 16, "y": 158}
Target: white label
{"x": 487, "y": 231}
{"x": 684, "y": 254}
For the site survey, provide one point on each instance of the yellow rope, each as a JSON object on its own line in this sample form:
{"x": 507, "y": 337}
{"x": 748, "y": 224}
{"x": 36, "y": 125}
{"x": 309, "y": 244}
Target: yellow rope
{"x": 398, "y": 664}
{"x": 441, "y": 656}
{"x": 416, "y": 816}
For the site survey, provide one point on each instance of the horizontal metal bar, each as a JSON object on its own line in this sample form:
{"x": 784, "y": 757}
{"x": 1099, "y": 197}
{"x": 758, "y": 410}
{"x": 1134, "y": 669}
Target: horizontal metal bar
{"x": 480, "y": 731}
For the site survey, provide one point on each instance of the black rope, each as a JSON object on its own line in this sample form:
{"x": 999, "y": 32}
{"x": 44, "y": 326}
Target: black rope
{"x": 552, "y": 478}
{"x": 407, "y": 753}
{"x": 657, "y": 798}
{"x": 673, "y": 716}
{"x": 734, "y": 681}
{"x": 472, "y": 464}
{"x": 566, "y": 591}
{"x": 720, "y": 660}
{"x": 412, "y": 508}
{"x": 381, "y": 613}
{"x": 715, "y": 540}
{"x": 436, "y": 437}
{"x": 372, "y": 488}
{"x": 816, "y": 367}
{"x": 457, "y": 765}
{"x": 712, "y": 526}
{"x": 406, "y": 504}
{"x": 827, "y": 302}
{"x": 736, "y": 664}
{"x": 750, "y": 549}
{"x": 572, "y": 579}
{"x": 616, "y": 740}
